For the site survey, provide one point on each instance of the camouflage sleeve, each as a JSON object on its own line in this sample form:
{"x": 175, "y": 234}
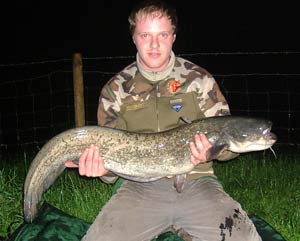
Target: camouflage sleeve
{"x": 210, "y": 98}
{"x": 219, "y": 106}
{"x": 109, "y": 107}
{"x": 108, "y": 115}
{"x": 213, "y": 103}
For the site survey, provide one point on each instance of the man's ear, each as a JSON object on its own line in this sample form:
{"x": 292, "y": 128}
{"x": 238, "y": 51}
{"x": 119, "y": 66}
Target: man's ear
{"x": 133, "y": 40}
{"x": 174, "y": 38}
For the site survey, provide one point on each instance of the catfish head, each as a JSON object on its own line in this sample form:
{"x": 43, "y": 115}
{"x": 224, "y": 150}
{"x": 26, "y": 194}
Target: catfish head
{"x": 248, "y": 134}
{"x": 242, "y": 134}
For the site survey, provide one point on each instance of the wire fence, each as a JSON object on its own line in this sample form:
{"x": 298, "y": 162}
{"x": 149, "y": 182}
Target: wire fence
{"x": 37, "y": 100}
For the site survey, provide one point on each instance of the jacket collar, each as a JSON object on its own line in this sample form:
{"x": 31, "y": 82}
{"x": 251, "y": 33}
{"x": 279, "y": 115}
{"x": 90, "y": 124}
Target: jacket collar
{"x": 156, "y": 76}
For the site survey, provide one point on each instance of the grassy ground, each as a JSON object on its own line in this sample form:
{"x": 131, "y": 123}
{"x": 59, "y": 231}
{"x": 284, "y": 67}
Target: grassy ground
{"x": 265, "y": 186}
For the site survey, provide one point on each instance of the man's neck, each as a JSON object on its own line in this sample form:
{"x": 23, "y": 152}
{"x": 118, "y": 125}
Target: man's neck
{"x": 155, "y": 76}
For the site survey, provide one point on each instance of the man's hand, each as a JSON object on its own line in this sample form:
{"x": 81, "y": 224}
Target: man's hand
{"x": 199, "y": 149}
{"x": 90, "y": 163}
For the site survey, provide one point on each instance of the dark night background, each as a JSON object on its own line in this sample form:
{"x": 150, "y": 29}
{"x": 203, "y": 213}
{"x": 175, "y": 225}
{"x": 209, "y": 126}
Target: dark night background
{"x": 48, "y": 30}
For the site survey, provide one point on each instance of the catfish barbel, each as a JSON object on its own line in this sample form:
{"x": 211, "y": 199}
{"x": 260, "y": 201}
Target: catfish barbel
{"x": 142, "y": 157}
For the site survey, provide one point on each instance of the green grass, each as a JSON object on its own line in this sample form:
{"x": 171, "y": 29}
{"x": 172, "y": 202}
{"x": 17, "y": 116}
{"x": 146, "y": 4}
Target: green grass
{"x": 78, "y": 196}
{"x": 265, "y": 186}
{"x": 10, "y": 200}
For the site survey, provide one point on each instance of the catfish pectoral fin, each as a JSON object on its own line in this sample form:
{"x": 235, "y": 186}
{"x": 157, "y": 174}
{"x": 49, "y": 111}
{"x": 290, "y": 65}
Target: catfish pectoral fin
{"x": 179, "y": 182}
{"x": 75, "y": 161}
{"x": 215, "y": 151}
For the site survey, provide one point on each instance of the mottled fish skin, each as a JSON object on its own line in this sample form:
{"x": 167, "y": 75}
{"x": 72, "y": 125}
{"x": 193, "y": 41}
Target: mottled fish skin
{"x": 139, "y": 156}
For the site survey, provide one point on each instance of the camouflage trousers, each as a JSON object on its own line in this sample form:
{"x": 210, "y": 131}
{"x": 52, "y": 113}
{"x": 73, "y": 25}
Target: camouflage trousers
{"x": 142, "y": 211}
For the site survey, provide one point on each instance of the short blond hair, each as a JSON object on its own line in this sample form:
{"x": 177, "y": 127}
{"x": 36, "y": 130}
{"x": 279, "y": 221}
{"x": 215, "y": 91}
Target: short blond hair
{"x": 153, "y": 9}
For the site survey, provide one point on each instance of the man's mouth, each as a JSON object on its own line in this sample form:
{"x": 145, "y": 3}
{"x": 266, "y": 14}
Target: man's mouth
{"x": 154, "y": 55}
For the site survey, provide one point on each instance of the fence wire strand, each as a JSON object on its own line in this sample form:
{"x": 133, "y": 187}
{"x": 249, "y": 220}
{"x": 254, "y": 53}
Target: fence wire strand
{"x": 35, "y": 108}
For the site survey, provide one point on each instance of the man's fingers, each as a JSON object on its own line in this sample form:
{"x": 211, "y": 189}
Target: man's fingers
{"x": 193, "y": 160}
{"x": 205, "y": 141}
{"x": 194, "y": 149}
{"x": 82, "y": 159}
{"x": 96, "y": 162}
{"x": 89, "y": 161}
{"x": 199, "y": 149}
{"x": 198, "y": 142}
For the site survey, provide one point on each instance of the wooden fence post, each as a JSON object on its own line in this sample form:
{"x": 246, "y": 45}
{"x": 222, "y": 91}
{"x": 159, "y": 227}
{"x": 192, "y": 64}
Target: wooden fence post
{"x": 78, "y": 90}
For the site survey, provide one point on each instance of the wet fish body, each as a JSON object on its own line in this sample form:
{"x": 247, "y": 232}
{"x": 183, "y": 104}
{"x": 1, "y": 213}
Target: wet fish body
{"x": 142, "y": 157}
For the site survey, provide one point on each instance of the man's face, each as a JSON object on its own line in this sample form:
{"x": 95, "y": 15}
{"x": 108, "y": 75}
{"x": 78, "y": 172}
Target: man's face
{"x": 154, "y": 38}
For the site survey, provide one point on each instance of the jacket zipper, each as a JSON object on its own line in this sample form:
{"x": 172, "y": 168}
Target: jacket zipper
{"x": 157, "y": 112}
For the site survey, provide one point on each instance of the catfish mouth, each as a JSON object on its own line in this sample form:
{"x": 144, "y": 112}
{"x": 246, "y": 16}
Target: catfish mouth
{"x": 254, "y": 143}
{"x": 266, "y": 141}
{"x": 269, "y": 136}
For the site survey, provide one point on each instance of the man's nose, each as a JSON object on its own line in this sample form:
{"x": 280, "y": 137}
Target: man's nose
{"x": 154, "y": 42}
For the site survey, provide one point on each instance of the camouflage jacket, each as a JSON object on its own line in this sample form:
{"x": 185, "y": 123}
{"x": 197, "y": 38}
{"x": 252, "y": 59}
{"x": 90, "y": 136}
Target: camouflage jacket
{"x": 142, "y": 101}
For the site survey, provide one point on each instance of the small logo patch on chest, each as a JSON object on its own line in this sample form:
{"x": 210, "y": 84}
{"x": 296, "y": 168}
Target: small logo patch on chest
{"x": 177, "y": 107}
{"x": 174, "y": 85}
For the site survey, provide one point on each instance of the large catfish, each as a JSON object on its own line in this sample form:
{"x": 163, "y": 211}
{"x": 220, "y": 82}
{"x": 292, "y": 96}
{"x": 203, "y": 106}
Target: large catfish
{"x": 142, "y": 157}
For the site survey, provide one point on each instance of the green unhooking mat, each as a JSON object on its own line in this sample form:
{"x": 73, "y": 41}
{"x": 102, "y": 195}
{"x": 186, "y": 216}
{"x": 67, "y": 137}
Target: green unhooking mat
{"x": 53, "y": 224}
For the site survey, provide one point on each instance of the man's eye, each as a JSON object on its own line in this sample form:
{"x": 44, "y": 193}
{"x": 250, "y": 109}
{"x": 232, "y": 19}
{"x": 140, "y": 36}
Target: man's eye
{"x": 164, "y": 35}
{"x": 144, "y": 35}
